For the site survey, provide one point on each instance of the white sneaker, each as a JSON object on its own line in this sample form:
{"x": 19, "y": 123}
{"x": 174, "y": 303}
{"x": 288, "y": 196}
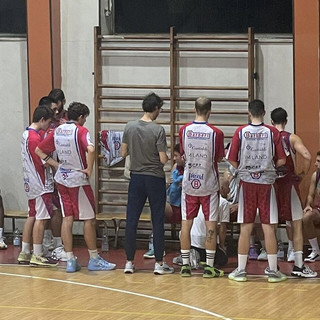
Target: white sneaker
{"x": 59, "y": 254}
{"x": 162, "y": 269}
{"x": 304, "y": 272}
{"x": 263, "y": 255}
{"x": 276, "y": 276}
{"x": 129, "y": 267}
{"x": 238, "y": 275}
{"x": 177, "y": 260}
{"x": 313, "y": 256}
{"x": 3, "y": 246}
{"x": 290, "y": 255}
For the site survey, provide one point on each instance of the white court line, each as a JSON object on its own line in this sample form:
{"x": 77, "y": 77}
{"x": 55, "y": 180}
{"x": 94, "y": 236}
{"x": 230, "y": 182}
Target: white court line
{"x": 119, "y": 290}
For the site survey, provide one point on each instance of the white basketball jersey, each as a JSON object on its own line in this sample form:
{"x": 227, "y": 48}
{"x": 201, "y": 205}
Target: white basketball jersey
{"x": 71, "y": 143}
{"x": 202, "y": 145}
{"x": 37, "y": 178}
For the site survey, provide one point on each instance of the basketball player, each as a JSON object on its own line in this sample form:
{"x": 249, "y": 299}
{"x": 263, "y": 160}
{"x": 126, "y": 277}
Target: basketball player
{"x": 72, "y": 141}
{"x": 311, "y": 218}
{"x": 202, "y": 147}
{"x": 38, "y": 185}
{"x": 255, "y": 151}
{"x": 287, "y": 189}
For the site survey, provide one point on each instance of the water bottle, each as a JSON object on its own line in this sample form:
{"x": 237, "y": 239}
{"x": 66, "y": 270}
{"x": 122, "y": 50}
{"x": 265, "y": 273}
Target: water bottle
{"x": 280, "y": 253}
{"x": 16, "y": 238}
{"x": 151, "y": 241}
{"x": 105, "y": 242}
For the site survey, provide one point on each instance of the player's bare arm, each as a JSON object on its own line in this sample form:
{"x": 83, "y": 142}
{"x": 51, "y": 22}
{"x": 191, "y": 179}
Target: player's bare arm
{"x": 297, "y": 145}
{"x": 311, "y": 193}
{"x": 46, "y": 158}
{"x": 280, "y": 162}
{"x": 90, "y": 161}
{"x": 163, "y": 157}
{"x": 235, "y": 164}
{"x": 124, "y": 150}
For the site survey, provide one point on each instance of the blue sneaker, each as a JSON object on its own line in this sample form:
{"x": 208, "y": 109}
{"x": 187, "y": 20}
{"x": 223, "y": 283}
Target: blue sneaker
{"x": 73, "y": 265}
{"x": 99, "y": 264}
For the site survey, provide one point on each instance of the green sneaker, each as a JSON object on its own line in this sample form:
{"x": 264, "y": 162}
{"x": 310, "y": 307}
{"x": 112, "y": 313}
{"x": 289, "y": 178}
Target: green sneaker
{"x": 24, "y": 258}
{"x": 185, "y": 271}
{"x": 212, "y": 272}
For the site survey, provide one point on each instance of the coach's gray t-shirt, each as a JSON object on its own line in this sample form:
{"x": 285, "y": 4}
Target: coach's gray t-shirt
{"x": 145, "y": 140}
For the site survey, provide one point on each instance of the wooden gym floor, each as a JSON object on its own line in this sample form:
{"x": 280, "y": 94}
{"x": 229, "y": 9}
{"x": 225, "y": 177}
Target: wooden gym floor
{"x": 40, "y": 293}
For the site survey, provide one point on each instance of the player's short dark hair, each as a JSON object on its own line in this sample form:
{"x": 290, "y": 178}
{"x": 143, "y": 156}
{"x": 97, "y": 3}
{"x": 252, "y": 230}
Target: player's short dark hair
{"x": 77, "y": 109}
{"x": 318, "y": 153}
{"x": 42, "y": 111}
{"x": 57, "y": 94}
{"x": 47, "y": 101}
{"x": 203, "y": 105}
{"x": 256, "y": 108}
{"x": 279, "y": 115}
{"x": 151, "y": 102}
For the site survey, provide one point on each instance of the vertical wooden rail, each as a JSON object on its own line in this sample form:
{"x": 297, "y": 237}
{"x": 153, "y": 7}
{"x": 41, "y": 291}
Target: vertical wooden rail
{"x": 97, "y": 103}
{"x": 172, "y": 90}
{"x": 250, "y": 64}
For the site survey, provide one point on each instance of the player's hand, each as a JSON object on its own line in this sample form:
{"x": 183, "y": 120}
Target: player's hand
{"x": 234, "y": 208}
{"x": 62, "y": 121}
{"x": 300, "y": 176}
{"x": 306, "y": 209}
{"x": 87, "y": 172}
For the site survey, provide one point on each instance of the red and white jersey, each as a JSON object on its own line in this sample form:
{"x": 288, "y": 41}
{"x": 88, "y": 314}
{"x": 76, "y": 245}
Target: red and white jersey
{"x": 289, "y": 168}
{"x": 202, "y": 146}
{"x": 37, "y": 178}
{"x": 70, "y": 140}
{"x": 256, "y": 149}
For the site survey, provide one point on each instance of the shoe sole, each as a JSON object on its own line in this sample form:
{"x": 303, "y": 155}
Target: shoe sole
{"x": 157, "y": 273}
{"x": 42, "y": 265}
{"x": 239, "y": 279}
{"x": 102, "y": 269}
{"x": 24, "y": 261}
{"x": 206, "y": 275}
{"x": 128, "y": 271}
{"x": 302, "y": 275}
{"x": 149, "y": 257}
{"x": 72, "y": 271}
{"x": 307, "y": 260}
{"x": 275, "y": 280}
{"x": 185, "y": 275}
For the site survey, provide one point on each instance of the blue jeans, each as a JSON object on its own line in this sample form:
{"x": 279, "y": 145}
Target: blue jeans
{"x": 141, "y": 188}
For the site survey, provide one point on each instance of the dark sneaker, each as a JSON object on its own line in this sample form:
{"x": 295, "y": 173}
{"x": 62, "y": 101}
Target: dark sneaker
{"x": 212, "y": 272}
{"x": 185, "y": 271}
{"x": 304, "y": 272}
